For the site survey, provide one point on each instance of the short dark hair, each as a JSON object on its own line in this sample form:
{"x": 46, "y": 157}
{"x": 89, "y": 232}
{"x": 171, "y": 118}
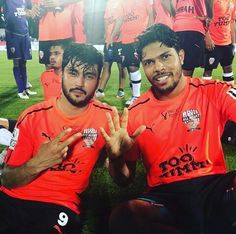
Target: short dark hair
{"x": 160, "y": 33}
{"x": 63, "y": 43}
{"x": 85, "y": 54}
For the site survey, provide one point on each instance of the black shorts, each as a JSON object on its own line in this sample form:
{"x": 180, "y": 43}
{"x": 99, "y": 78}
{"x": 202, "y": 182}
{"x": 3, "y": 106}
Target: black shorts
{"x": 113, "y": 53}
{"x": 193, "y": 45}
{"x": 130, "y": 56}
{"x": 29, "y": 217}
{"x": 221, "y": 54}
{"x": 44, "y": 49}
{"x": 201, "y": 205}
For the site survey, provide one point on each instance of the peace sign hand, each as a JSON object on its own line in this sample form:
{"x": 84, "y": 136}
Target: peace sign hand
{"x": 53, "y": 152}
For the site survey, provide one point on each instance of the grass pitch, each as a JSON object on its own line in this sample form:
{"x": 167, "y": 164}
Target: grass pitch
{"x": 102, "y": 193}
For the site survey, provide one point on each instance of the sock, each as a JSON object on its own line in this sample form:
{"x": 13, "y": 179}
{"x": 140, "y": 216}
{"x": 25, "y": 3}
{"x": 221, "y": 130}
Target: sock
{"x": 229, "y": 77}
{"x": 18, "y": 78}
{"x": 135, "y": 78}
{"x": 23, "y": 73}
{"x": 100, "y": 90}
{"x": 207, "y": 77}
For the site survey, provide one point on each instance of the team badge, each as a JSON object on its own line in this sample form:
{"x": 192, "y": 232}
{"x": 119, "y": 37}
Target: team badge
{"x": 41, "y": 54}
{"x": 192, "y": 119}
{"x": 14, "y": 138}
{"x": 211, "y": 60}
{"x": 89, "y": 136}
{"x": 13, "y": 50}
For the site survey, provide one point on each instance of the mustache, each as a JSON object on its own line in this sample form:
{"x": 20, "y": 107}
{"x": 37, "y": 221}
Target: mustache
{"x": 161, "y": 74}
{"x": 78, "y": 89}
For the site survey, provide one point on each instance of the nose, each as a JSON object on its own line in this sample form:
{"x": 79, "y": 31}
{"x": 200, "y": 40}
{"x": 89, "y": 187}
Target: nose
{"x": 159, "y": 66}
{"x": 80, "y": 80}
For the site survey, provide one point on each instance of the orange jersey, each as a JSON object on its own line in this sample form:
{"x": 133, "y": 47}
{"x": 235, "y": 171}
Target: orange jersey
{"x": 111, "y": 14}
{"x": 51, "y": 84}
{"x": 55, "y": 25}
{"x": 223, "y": 14}
{"x": 161, "y": 15}
{"x": 182, "y": 136}
{"x": 186, "y": 16}
{"x": 60, "y": 184}
{"x": 135, "y": 14}
{"x": 79, "y": 35}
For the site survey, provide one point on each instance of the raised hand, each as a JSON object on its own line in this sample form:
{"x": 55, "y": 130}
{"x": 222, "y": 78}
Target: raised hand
{"x": 119, "y": 141}
{"x": 54, "y": 152}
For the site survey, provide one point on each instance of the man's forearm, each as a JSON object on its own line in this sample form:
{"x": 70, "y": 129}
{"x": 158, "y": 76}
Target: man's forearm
{"x": 13, "y": 177}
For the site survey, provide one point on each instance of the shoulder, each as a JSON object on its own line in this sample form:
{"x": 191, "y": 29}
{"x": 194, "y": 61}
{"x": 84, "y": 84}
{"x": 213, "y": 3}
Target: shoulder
{"x": 36, "y": 111}
{"x": 101, "y": 106}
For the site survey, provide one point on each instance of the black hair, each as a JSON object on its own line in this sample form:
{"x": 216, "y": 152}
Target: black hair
{"x": 160, "y": 33}
{"x": 87, "y": 55}
{"x": 63, "y": 43}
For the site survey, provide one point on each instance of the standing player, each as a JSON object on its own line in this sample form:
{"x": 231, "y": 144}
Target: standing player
{"x": 134, "y": 16}
{"x": 112, "y": 51}
{"x": 190, "y": 24}
{"x": 55, "y": 146}
{"x": 18, "y": 41}
{"x": 220, "y": 40}
{"x": 79, "y": 35}
{"x": 189, "y": 189}
{"x": 164, "y": 12}
{"x": 55, "y": 24}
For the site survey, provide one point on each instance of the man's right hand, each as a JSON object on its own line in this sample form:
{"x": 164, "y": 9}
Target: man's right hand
{"x": 53, "y": 152}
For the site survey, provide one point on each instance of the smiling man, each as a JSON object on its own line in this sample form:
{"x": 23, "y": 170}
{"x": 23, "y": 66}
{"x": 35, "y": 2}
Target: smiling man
{"x": 176, "y": 128}
{"x": 54, "y": 148}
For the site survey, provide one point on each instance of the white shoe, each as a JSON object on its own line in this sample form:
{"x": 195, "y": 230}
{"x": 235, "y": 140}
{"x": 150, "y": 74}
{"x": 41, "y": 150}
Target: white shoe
{"x": 131, "y": 100}
{"x": 29, "y": 92}
{"x": 23, "y": 95}
{"x": 120, "y": 94}
{"x": 99, "y": 94}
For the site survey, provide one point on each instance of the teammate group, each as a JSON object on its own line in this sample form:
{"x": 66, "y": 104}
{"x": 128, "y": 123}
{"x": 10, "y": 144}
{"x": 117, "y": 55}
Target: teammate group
{"x": 174, "y": 127}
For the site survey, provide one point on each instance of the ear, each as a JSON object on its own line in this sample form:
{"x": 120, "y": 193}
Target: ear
{"x": 181, "y": 56}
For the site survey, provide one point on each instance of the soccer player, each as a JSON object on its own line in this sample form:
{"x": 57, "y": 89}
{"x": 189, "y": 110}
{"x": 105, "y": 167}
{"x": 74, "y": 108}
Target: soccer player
{"x": 55, "y": 24}
{"x": 51, "y": 78}
{"x": 112, "y": 51}
{"x": 18, "y": 41}
{"x": 164, "y": 12}
{"x": 79, "y": 34}
{"x": 190, "y": 23}
{"x": 175, "y": 127}
{"x": 134, "y": 16}
{"x": 220, "y": 40}
{"x": 54, "y": 148}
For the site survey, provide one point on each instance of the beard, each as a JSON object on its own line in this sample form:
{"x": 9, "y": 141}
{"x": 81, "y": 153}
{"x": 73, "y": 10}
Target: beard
{"x": 74, "y": 101}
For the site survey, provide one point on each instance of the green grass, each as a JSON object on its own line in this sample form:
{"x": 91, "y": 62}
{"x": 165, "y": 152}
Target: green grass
{"x": 102, "y": 193}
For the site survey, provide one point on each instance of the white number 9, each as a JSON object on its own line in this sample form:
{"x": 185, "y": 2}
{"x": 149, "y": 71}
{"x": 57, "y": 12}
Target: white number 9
{"x": 63, "y": 219}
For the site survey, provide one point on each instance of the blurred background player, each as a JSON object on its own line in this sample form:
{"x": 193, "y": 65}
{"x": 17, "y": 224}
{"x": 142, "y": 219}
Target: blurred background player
{"x": 112, "y": 51}
{"x": 79, "y": 35}
{"x": 220, "y": 40}
{"x": 134, "y": 16}
{"x": 164, "y": 12}
{"x": 190, "y": 24}
{"x": 55, "y": 24}
{"x": 18, "y": 40}
{"x": 51, "y": 78}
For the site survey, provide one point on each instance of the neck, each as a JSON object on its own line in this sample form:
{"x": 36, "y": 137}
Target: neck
{"x": 67, "y": 108}
{"x": 174, "y": 93}
{"x": 58, "y": 71}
